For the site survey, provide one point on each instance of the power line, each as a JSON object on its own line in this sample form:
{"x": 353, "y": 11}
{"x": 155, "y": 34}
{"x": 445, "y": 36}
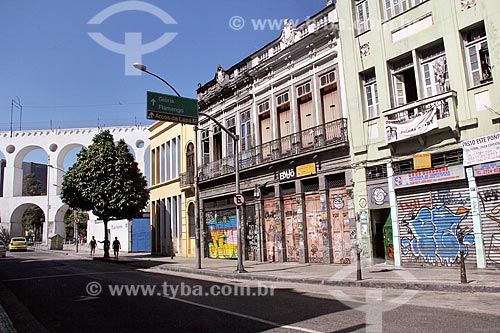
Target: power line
{"x": 81, "y": 106}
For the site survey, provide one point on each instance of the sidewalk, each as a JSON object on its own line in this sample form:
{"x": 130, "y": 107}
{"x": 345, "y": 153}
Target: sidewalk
{"x": 373, "y": 276}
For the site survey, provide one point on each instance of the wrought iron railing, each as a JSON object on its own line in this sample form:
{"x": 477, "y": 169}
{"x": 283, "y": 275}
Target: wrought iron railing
{"x": 187, "y": 178}
{"x": 329, "y": 134}
{"x": 439, "y": 103}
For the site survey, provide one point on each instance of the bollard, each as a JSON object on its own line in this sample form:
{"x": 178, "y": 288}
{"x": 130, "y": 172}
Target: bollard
{"x": 463, "y": 274}
{"x": 358, "y": 271}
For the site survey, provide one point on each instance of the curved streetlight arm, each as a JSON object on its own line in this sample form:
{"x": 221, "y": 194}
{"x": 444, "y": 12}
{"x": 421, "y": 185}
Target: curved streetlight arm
{"x": 168, "y": 84}
{"x": 232, "y": 135}
{"x": 53, "y": 167}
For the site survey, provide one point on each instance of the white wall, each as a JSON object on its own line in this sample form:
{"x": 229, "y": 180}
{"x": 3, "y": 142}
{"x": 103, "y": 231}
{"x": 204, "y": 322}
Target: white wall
{"x": 116, "y": 228}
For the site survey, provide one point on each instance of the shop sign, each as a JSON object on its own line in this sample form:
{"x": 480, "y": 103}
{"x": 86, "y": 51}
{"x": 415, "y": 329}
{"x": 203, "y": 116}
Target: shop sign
{"x": 439, "y": 175}
{"x": 378, "y": 196}
{"x": 481, "y": 150}
{"x": 487, "y": 169}
{"x": 306, "y": 169}
{"x": 300, "y": 171}
{"x": 285, "y": 174}
{"x": 422, "y": 161}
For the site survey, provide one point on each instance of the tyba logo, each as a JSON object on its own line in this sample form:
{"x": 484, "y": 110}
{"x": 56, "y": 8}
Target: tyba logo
{"x": 133, "y": 48}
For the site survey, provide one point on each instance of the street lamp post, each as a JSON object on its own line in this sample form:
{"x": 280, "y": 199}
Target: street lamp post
{"x": 240, "y": 268}
{"x": 46, "y": 232}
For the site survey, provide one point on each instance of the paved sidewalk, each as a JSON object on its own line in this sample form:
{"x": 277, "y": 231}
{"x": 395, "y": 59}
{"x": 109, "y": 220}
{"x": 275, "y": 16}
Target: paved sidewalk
{"x": 373, "y": 276}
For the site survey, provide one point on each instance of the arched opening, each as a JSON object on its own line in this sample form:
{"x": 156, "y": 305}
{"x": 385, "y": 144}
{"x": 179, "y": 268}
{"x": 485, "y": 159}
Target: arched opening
{"x": 28, "y": 220}
{"x": 31, "y": 165}
{"x": 191, "y": 229}
{"x": 65, "y": 159}
{"x": 190, "y": 161}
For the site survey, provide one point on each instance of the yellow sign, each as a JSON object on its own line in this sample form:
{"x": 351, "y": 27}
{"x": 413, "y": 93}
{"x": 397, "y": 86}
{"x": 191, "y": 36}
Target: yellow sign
{"x": 422, "y": 161}
{"x": 306, "y": 169}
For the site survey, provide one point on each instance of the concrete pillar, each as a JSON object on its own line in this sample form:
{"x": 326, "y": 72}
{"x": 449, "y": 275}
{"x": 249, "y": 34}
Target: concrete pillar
{"x": 301, "y": 222}
{"x": 394, "y": 215}
{"x": 476, "y": 219}
{"x": 325, "y": 221}
{"x": 279, "y": 224}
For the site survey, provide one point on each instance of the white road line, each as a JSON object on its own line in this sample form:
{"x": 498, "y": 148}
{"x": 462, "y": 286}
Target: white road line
{"x": 64, "y": 275}
{"x": 260, "y": 320}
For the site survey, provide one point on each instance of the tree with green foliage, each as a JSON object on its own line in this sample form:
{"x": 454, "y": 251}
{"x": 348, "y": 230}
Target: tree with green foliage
{"x": 69, "y": 219}
{"x": 107, "y": 181}
{"x": 31, "y": 185}
{"x": 4, "y": 235}
{"x": 32, "y": 220}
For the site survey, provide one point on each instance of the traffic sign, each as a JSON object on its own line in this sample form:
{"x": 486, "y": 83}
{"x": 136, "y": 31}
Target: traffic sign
{"x": 172, "y": 108}
{"x": 238, "y": 199}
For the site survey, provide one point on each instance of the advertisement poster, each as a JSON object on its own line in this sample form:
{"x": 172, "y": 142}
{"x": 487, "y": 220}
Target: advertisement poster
{"x": 481, "y": 150}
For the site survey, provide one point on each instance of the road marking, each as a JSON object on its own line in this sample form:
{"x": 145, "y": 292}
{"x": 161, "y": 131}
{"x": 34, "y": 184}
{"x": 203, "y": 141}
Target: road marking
{"x": 64, "y": 275}
{"x": 260, "y": 320}
{"x": 86, "y": 298}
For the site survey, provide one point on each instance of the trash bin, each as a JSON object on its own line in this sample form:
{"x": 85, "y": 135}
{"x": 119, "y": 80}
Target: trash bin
{"x": 56, "y": 242}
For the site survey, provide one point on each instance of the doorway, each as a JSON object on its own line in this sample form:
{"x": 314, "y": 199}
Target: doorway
{"x": 378, "y": 218}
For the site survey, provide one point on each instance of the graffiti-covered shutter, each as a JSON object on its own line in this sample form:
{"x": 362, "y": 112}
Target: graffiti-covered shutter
{"x": 314, "y": 227}
{"x": 270, "y": 230}
{"x": 489, "y": 202}
{"x": 431, "y": 219}
{"x": 291, "y": 228}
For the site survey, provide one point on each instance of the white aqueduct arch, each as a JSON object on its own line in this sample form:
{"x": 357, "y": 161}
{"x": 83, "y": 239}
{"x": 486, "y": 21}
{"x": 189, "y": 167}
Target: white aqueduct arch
{"x": 56, "y": 144}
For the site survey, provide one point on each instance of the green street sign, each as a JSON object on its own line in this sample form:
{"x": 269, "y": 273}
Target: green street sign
{"x": 172, "y": 108}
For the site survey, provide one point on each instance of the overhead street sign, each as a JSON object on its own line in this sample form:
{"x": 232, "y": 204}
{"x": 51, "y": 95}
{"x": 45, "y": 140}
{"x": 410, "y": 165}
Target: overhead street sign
{"x": 172, "y": 108}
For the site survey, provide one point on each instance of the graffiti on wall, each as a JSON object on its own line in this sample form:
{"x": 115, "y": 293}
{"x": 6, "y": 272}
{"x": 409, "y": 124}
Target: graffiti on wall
{"x": 490, "y": 203}
{"x": 434, "y": 235}
{"x": 223, "y": 235}
{"x": 271, "y": 230}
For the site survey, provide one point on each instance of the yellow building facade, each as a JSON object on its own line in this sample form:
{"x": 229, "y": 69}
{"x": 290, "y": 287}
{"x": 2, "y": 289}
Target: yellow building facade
{"x": 172, "y": 189}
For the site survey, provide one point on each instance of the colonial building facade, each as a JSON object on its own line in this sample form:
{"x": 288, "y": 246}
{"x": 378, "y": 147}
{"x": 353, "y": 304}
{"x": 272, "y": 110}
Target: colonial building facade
{"x": 423, "y": 100}
{"x": 285, "y": 102}
{"x": 171, "y": 189}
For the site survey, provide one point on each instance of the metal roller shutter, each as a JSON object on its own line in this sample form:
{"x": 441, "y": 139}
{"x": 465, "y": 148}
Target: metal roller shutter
{"x": 489, "y": 205}
{"x": 430, "y": 219}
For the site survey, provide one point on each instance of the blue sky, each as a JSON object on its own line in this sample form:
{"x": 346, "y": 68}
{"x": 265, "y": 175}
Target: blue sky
{"x": 59, "y": 73}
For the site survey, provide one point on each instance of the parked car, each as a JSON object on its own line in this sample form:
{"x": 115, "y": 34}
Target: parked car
{"x": 3, "y": 249}
{"x": 18, "y": 244}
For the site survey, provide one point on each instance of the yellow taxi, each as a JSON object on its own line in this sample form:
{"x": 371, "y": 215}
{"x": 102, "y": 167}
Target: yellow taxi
{"x": 18, "y": 244}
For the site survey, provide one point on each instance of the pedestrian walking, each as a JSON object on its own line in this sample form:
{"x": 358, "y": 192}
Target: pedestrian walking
{"x": 93, "y": 245}
{"x": 116, "y": 247}
{"x": 105, "y": 243}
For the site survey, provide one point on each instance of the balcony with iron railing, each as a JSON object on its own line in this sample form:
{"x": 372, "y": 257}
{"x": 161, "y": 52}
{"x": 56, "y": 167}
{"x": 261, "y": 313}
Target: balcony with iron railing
{"x": 444, "y": 105}
{"x": 187, "y": 179}
{"x": 327, "y": 135}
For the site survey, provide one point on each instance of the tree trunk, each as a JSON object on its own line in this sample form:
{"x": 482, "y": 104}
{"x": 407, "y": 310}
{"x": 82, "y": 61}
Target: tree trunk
{"x": 106, "y": 239}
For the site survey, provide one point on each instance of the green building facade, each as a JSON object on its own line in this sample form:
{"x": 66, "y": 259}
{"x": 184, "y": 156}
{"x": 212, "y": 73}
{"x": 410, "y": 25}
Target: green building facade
{"x": 422, "y": 94}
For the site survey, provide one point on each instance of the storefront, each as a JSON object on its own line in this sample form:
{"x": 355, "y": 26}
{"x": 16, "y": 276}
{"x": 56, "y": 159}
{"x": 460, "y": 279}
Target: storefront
{"x": 434, "y": 216}
{"x": 379, "y": 209}
{"x": 488, "y": 189}
{"x": 482, "y": 155}
{"x": 308, "y": 219}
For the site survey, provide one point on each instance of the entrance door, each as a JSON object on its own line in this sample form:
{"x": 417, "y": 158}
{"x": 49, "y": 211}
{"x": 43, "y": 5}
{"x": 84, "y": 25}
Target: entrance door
{"x": 270, "y": 230}
{"x": 314, "y": 227}
{"x": 339, "y": 214}
{"x": 378, "y": 217}
{"x": 291, "y": 228}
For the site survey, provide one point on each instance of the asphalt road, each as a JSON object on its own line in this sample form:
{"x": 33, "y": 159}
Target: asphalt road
{"x": 47, "y": 292}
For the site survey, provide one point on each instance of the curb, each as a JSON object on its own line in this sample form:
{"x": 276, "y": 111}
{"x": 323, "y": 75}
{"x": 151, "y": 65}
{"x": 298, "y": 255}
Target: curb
{"x": 413, "y": 285}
